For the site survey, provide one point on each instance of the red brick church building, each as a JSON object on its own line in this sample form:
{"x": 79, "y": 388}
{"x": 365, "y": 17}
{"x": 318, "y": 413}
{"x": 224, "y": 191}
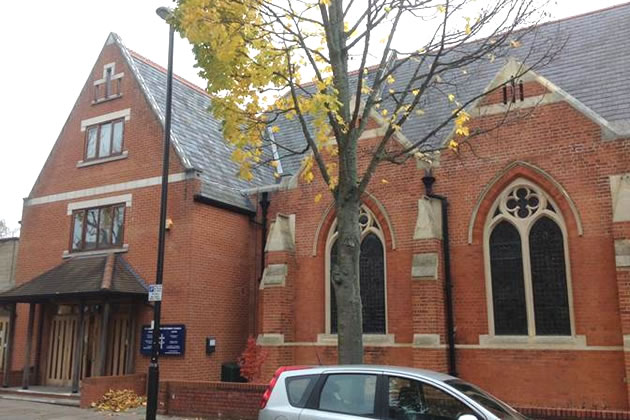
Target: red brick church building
{"x": 518, "y": 279}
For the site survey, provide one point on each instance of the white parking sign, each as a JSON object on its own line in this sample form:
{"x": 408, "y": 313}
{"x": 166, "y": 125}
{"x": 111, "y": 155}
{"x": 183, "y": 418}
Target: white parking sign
{"x": 155, "y": 292}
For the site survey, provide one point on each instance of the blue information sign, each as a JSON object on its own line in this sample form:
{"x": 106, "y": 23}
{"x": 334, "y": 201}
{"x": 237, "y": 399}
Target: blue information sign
{"x": 172, "y": 340}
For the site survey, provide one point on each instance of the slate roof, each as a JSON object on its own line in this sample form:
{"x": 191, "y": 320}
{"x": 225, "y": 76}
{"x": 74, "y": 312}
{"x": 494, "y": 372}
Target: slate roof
{"x": 81, "y": 277}
{"x": 195, "y": 133}
{"x": 592, "y": 67}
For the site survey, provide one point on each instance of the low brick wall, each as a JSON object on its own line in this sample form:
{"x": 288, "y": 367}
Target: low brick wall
{"x": 15, "y": 378}
{"x": 212, "y": 399}
{"x": 92, "y": 389}
{"x": 572, "y": 413}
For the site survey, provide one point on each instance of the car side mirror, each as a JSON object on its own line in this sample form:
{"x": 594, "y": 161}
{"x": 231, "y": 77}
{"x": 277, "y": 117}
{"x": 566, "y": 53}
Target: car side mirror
{"x": 467, "y": 417}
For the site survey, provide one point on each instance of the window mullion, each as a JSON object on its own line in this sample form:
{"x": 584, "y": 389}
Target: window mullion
{"x": 527, "y": 278}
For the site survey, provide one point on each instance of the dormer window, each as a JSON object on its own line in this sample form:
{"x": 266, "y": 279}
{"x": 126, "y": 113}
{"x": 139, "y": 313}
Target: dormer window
{"x": 109, "y": 86}
{"x": 104, "y": 140}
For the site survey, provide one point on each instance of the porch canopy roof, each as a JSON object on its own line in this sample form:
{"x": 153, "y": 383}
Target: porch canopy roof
{"x": 85, "y": 277}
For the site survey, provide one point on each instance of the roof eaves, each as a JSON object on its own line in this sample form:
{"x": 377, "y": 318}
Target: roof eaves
{"x": 156, "y": 109}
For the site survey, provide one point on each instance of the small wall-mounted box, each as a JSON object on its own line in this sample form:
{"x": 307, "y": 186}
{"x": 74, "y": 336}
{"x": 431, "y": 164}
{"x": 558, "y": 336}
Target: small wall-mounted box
{"x": 211, "y": 344}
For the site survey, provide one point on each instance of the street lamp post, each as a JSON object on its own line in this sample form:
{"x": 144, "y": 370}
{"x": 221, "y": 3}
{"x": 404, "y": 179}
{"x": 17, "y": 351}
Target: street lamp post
{"x": 154, "y": 369}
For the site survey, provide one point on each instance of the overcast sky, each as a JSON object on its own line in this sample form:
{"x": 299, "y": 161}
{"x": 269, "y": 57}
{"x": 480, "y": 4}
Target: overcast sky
{"x": 48, "y": 49}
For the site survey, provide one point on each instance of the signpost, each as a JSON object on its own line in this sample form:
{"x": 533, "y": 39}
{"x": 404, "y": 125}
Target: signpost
{"x": 172, "y": 340}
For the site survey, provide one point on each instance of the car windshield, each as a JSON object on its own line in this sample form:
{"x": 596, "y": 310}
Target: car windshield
{"x": 490, "y": 403}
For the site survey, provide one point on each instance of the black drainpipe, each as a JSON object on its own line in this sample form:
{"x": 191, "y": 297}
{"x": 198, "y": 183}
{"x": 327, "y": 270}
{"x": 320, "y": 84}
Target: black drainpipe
{"x": 428, "y": 181}
{"x": 264, "y": 205}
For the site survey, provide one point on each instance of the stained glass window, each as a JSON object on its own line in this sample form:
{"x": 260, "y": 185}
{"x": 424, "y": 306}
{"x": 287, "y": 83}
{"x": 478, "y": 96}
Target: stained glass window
{"x": 551, "y": 305}
{"x": 526, "y": 250}
{"x": 371, "y": 278}
{"x": 508, "y": 287}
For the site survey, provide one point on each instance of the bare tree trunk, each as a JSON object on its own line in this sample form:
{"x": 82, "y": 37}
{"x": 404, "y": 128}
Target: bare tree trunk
{"x": 345, "y": 276}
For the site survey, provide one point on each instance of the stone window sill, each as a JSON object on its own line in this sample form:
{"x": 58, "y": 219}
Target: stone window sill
{"x": 109, "y": 98}
{"x": 532, "y": 342}
{"x": 68, "y": 254}
{"x": 83, "y": 164}
{"x": 368, "y": 339}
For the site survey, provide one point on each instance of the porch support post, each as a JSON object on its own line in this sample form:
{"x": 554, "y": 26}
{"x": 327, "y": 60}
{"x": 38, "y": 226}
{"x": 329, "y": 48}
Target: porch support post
{"x": 38, "y": 347}
{"x": 131, "y": 342}
{"x": 102, "y": 355}
{"x": 26, "y": 373}
{"x": 78, "y": 352}
{"x": 8, "y": 351}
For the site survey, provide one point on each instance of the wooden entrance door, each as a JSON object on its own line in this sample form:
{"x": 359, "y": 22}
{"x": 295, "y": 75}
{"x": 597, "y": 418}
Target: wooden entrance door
{"x": 4, "y": 337}
{"x": 62, "y": 346}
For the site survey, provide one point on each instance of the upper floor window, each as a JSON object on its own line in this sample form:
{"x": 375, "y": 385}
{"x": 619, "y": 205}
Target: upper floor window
{"x": 528, "y": 265}
{"x": 98, "y": 228}
{"x": 371, "y": 274}
{"x": 103, "y": 140}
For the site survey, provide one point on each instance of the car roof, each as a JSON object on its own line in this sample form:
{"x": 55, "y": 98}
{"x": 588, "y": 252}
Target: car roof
{"x": 422, "y": 373}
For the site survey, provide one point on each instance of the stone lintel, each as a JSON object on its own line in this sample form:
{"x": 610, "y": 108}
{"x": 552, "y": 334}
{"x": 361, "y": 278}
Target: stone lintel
{"x": 622, "y": 252}
{"x": 425, "y": 266}
{"x": 426, "y": 340}
{"x": 429, "y": 219}
{"x": 274, "y": 275}
{"x": 270, "y": 339}
{"x": 281, "y": 234}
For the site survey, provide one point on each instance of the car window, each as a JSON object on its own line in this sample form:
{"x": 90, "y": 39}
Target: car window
{"x": 495, "y": 406}
{"x": 349, "y": 394}
{"x": 299, "y": 388}
{"x": 415, "y": 400}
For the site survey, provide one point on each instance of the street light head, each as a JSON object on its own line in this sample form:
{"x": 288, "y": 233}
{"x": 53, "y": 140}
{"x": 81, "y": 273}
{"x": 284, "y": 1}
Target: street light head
{"x": 164, "y": 12}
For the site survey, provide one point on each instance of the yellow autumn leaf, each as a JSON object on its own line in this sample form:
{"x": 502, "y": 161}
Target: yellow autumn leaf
{"x": 415, "y": 92}
{"x": 441, "y": 8}
{"x": 325, "y": 2}
{"x": 273, "y": 163}
{"x": 318, "y": 197}
{"x": 515, "y": 43}
{"x": 453, "y": 145}
{"x": 275, "y": 129}
{"x": 384, "y": 112}
{"x": 451, "y": 97}
{"x": 390, "y": 79}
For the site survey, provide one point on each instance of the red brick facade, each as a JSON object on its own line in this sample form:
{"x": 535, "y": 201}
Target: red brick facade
{"x": 211, "y": 282}
{"x": 209, "y": 250}
{"x": 558, "y": 149}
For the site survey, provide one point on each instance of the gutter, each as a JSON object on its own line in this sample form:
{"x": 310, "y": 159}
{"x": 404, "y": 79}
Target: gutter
{"x": 220, "y": 204}
{"x": 428, "y": 181}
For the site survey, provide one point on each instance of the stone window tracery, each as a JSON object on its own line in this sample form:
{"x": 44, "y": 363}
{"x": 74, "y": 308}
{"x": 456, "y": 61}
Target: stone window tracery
{"x": 527, "y": 264}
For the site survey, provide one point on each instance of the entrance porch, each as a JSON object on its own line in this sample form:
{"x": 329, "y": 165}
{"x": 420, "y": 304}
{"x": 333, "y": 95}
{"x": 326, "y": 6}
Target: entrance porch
{"x": 86, "y": 310}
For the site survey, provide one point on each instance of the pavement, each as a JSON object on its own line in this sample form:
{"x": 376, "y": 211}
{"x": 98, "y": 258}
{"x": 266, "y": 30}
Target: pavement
{"x": 26, "y": 410}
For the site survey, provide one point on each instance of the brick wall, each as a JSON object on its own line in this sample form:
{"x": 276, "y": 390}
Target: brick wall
{"x": 213, "y": 399}
{"x": 562, "y": 152}
{"x": 92, "y": 389}
{"x": 209, "y": 251}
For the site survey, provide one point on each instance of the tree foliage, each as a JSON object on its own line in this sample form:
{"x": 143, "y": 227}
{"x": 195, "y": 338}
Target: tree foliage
{"x": 273, "y": 60}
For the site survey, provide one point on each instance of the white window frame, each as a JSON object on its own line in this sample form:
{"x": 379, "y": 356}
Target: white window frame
{"x": 373, "y": 226}
{"x": 523, "y": 227}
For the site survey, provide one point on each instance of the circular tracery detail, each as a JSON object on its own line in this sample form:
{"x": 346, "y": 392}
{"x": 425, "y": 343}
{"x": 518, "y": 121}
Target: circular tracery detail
{"x": 523, "y": 202}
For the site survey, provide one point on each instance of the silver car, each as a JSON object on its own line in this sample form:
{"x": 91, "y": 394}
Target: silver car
{"x": 376, "y": 392}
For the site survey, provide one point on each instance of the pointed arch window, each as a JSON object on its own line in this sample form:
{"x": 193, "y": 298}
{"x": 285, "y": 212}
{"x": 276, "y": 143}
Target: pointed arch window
{"x": 371, "y": 275}
{"x": 527, "y": 269}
